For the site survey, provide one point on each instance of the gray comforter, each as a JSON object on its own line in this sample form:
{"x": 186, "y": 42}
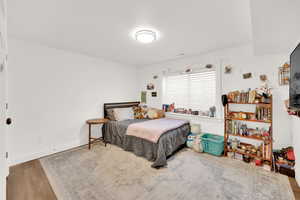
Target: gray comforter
{"x": 115, "y": 133}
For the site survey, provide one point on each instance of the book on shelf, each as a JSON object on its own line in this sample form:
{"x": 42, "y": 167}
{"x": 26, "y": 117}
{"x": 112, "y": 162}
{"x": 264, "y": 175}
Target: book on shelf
{"x": 250, "y": 96}
{"x": 242, "y": 97}
{"x": 261, "y": 113}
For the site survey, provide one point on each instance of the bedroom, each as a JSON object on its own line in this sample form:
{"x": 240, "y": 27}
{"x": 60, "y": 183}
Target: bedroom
{"x": 63, "y": 61}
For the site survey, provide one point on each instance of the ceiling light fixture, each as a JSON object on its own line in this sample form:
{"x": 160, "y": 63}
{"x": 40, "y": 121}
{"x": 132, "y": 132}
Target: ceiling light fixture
{"x": 145, "y": 36}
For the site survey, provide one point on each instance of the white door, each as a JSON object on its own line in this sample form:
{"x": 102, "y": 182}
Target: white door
{"x": 3, "y": 166}
{"x": 3, "y": 48}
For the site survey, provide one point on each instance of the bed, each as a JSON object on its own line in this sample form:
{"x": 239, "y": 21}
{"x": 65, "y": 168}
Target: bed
{"x": 114, "y": 132}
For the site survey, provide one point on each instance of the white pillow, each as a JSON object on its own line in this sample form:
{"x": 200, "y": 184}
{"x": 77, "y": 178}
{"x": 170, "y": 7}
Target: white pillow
{"x": 123, "y": 113}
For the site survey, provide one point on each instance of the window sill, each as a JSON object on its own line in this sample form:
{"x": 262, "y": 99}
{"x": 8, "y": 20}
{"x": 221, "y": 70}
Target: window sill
{"x": 194, "y": 117}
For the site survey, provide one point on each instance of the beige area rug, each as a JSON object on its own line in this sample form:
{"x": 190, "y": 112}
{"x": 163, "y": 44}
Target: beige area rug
{"x": 114, "y": 174}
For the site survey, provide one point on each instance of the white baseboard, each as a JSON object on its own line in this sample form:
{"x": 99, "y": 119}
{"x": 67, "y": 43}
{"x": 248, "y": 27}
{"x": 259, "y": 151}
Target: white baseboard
{"x": 44, "y": 152}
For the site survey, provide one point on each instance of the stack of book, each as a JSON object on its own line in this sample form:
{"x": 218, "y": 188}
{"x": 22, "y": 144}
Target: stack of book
{"x": 242, "y": 97}
{"x": 263, "y": 113}
{"x": 267, "y": 150}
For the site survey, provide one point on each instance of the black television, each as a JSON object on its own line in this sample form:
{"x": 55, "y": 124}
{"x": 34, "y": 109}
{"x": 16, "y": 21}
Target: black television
{"x": 295, "y": 79}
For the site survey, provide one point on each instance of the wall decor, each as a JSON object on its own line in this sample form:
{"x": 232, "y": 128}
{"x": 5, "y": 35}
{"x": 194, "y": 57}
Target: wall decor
{"x": 155, "y": 77}
{"x": 263, "y": 77}
{"x": 188, "y": 70}
{"x": 154, "y": 94}
{"x": 228, "y": 69}
{"x": 143, "y": 97}
{"x": 284, "y": 74}
{"x": 247, "y": 75}
{"x": 150, "y": 86}
{"x": 209, "y": 66}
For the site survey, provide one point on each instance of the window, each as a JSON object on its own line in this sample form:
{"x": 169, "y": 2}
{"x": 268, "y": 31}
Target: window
{"x": 196, "y": 91}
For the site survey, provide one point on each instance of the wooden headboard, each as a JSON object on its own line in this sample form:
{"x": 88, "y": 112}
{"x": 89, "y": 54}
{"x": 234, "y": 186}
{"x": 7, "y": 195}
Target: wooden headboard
{"x": 118, "y": 105}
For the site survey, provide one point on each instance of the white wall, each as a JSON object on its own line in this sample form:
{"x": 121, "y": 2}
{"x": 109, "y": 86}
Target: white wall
{"x": 53, "y": 92}
{"x": 3, "y": 137}
{"x": 243, "y": 61}
{"x": 295, "y": 122}
{"x": 3, "y": 98}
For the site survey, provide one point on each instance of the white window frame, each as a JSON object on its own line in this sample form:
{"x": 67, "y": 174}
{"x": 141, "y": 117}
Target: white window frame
{"x": 219, "y": 108}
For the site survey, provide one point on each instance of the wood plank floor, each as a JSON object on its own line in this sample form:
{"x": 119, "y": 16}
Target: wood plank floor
{"x": 28, "y": 181}
{"x": 295, "y": 188}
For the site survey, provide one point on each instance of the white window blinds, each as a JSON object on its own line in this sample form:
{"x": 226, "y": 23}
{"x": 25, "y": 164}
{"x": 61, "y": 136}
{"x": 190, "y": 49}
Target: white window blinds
{"x": 196, "y": 91}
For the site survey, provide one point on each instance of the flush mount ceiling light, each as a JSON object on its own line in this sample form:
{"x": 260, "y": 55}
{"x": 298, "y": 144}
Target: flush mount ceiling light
{"x": 145, "y": 36}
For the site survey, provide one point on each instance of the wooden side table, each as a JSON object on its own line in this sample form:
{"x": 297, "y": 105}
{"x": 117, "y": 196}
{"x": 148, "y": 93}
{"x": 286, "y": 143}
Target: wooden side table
{"x": 91, "y": 122}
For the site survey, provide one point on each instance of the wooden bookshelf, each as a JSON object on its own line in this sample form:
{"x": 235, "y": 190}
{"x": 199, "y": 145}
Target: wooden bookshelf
{"x": 267, "y": 143}
{"x": 263, "y": 104}
{"x": 249, "y": 120}
{"x": 243, "y": 153}
{"x": 249, "y": 137}
{"x": 250, "y": 154}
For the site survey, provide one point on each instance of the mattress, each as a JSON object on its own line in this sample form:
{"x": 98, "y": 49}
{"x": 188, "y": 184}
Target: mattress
{"x": 168, "y": 143}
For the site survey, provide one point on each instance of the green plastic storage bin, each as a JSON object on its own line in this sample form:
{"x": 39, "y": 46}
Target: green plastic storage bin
{"x": 213, "y": 144}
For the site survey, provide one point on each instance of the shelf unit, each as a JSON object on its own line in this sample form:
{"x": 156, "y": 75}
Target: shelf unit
{"x": 268, "y": 141}
{"x": 249, "y": 137}
{"x": 250, "y": 120}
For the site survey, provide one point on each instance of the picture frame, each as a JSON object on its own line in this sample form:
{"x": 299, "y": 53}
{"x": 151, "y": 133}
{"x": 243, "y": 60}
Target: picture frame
{"x": 247, "y": 75}
{"x": 150, "y": 86}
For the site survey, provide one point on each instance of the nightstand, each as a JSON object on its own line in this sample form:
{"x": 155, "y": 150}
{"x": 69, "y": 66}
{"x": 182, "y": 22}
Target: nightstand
{"x": 91, "y": 122}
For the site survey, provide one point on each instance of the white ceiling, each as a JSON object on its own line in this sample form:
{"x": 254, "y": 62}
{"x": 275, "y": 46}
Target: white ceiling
{"x": 276, "y": 25}
{"x": 102, "y": 28}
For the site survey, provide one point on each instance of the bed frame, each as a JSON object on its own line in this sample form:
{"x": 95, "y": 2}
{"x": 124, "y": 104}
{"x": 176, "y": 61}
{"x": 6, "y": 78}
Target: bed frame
{"x": 118, "y": 105}
{"x": 115, "y": 105}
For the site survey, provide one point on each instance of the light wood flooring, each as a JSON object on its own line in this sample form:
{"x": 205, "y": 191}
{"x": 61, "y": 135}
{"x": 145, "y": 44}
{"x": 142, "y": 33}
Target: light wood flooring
{"x": 28, "y": 181}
